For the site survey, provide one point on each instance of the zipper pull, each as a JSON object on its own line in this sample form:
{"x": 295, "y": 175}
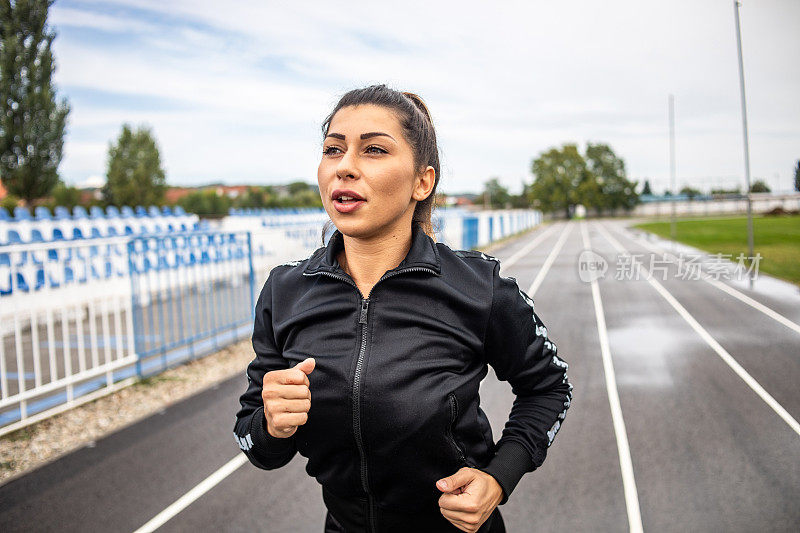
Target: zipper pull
{"x": 364, "y": 306}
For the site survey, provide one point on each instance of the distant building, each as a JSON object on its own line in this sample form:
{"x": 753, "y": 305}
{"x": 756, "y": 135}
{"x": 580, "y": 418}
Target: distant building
{"x": 173, "y": 194}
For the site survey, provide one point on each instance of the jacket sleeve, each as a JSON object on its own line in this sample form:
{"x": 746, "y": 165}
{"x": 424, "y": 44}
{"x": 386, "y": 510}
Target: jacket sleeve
{"x": 250, "y": 431}
{"x": 518, "y": 349}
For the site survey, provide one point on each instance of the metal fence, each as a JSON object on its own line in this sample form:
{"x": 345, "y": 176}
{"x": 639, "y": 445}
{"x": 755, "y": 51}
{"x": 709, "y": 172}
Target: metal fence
{"x": 191, "y": 295}
{"x": 58, "y": 340}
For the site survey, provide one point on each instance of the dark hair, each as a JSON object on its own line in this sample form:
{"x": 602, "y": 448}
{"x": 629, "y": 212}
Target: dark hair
{"x": 415, "y": 121}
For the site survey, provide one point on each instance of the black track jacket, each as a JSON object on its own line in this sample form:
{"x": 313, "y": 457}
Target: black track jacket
{"x": 394, "y": 393}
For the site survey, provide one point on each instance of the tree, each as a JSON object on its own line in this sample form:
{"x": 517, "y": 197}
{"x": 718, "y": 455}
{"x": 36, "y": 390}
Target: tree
{"x": 797, "y": 176}
{"x": 558, "y": 173}
{"x": 759, "y": 186}
{"x": 206, "y": 202}
{"x": 646, "y": 189}
{"x": 32, "y": 124}
{"x": 134, "y": 175}
{"x": 608, "y": 170}
{"x": 690, "y": 192}
{"x": 564, "y": 178}
{"x": 65, "y": 195}
{"x": 498, "y": 196}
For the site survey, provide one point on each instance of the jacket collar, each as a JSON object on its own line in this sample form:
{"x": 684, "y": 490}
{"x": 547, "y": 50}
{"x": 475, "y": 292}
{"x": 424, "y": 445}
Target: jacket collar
{"x": 423, "y": 253}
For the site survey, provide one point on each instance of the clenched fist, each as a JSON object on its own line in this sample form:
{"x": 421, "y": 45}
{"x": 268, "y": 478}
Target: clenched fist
{"x": 287, "y": 398}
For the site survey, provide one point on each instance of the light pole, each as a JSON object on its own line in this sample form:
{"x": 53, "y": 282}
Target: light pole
{"x": 736, "y": 5}
{"x": 672, "y": 225}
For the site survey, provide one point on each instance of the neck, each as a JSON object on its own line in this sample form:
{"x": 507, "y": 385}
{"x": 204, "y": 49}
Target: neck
{"x": 367, "y": 259}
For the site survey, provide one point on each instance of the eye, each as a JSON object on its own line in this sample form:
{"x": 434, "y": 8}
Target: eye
{"x": 327, "y": 151}
{"x": 380, "y": 150}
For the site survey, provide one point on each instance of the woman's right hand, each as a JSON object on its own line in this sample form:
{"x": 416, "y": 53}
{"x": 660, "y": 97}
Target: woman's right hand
{"x": 287, "y": 398}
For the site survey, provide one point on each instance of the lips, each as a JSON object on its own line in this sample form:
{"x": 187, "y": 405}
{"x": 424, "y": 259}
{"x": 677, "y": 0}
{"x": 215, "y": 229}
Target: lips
{"x": 347, "y": 193}
{"x": 347, "y": 200}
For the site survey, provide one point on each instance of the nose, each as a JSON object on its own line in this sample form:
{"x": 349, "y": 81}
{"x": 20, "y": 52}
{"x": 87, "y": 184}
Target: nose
{"x": 347, "y": 167}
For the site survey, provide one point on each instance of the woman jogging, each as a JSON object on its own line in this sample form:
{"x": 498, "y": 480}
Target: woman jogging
{"x": 369, "y": 353}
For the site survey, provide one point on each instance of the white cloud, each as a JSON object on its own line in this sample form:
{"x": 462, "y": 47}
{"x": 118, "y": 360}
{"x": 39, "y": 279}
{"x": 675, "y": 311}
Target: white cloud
{"x": 239, "y": 93}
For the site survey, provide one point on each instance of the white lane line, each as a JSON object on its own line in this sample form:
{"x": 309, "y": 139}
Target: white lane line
{"x": 525, "y": 250}
{"x": 625, "y": 463}
{"x": 549, "y": 261}
{"x": 723, "y": 287}
{"x": 187, "y": 499}
{"x": 724, "y": 355}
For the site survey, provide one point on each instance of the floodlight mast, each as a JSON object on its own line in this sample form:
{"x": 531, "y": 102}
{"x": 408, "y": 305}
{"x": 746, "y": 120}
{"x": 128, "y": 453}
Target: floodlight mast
{"x": 736, "y": 4}
{"x": 672, "y": 186}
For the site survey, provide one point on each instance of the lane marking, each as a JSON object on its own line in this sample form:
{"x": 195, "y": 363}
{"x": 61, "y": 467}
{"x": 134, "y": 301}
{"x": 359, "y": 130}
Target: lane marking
{"x": 724, "y": 355}
{"x": 549, "y": 261}
{"x": 625, "y": 462}
{"x": 190, "y": 497}
{"x": 722, "y": 286}
{"x": 525, "y": 250}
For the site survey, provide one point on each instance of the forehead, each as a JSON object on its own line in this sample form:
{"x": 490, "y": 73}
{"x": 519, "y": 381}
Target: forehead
{"x": 365, "y": 118}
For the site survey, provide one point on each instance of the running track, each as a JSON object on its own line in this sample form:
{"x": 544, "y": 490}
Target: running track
{"x": 686, "y": 402}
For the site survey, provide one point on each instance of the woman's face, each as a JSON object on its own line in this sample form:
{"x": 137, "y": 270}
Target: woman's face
{"x": 366, "y": 153}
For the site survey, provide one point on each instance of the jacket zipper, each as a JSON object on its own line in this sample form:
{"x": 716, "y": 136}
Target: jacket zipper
{"x": 362, "y": 320}
{"x": 453, "y": 415}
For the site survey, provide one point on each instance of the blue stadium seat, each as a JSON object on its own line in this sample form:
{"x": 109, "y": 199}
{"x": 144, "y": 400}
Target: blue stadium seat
{"x": 62, "y": 213}
{"x": 166, "y": 211}
{"x": 22, "y": 213}
{"x": 140, "y": 211}
{"x": 127, "y": 212}
{"x": 12, "y": 237}
{"x": 4, "y": 216}
{"x": 96, "y": 212}
{"x": 42, "y": 213}
{"x": 5, "y": 274}
{"x": 179, "y": 211}
{"x": 153, "y": 211}
{"x": 112, "y": 212}
{"x": 78, "y": 212}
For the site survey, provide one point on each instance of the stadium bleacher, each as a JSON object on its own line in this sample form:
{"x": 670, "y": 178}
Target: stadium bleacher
{"x": 51, "y": 250}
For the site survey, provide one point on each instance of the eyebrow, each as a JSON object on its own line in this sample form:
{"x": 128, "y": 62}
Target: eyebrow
{"x": 363, "y": 135}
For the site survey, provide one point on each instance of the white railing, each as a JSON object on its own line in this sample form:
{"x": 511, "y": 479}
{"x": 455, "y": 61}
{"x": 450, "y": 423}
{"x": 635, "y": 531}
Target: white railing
{"x": 64, "y": 329}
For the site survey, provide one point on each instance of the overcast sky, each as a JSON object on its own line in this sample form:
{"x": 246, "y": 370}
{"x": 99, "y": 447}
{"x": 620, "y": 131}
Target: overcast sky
{"x": 236, "y": 92}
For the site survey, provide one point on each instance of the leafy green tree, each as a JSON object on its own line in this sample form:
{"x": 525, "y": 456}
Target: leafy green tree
{"x": 134, "y": 175}
{"x": 296, "y": 187}
{"x": 616, "y": 191}
{"x": 498, "y": 196}
{"x": 646, "y": 189}
{"x": 206, "y": 202}
{"x": 32, "y": 124}
{"x": 66, "y": 195}
{"x": 797, "y": 176}
{"x": 759, "y": 186}
{"x": 691, "y": 192}
{"x": 558, "y": 173}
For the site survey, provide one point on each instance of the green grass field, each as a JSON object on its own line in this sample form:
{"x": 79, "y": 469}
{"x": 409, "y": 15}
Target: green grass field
{"x": 776, "y": 238}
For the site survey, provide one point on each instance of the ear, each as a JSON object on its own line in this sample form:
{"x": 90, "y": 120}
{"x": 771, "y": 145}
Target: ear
{"x": 424, "y": 184}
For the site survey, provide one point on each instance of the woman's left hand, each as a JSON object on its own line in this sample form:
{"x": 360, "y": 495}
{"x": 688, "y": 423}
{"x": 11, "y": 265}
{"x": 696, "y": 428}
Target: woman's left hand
{"x": 470, "y": 496}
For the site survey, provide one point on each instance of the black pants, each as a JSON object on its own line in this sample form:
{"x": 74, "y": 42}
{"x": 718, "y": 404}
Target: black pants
{"x": 494, "y": 524}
